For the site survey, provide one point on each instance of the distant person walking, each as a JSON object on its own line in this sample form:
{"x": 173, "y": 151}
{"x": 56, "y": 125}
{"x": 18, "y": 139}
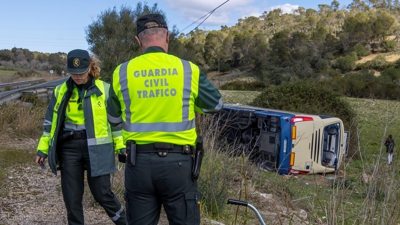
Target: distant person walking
{"x": 77, "y": 137}
{"x": 389, "y": 143}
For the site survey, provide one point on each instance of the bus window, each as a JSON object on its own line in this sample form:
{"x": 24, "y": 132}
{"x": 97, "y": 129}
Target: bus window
{"x": 331, "y": 145}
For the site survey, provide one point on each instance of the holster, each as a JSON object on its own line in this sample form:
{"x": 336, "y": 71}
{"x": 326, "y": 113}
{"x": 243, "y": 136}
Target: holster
{"x": 121, "y": 157}
{"x": 131, "y": 153}
{"x": 198, "y": 158}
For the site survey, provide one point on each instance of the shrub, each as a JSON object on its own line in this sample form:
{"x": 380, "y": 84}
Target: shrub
{"x": 392, "y": 73}
{"x": 389, "y": 45}
{"x": 312, "y": 98}
{"x": 329, "y": 56}
{"x": 322, "y": 64}
{"x": 224, "y": 67}
{"x": 360, "y": 50}
{"x": 378, "y": 62}
{"x": 346, "y": 63}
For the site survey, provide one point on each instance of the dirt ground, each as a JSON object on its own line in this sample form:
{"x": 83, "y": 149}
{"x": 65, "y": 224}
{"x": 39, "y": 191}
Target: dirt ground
{"x": 389, "y": 58}
{"x": 32, "y": 196}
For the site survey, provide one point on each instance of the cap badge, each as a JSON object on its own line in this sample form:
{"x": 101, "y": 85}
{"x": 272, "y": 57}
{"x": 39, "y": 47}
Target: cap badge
{"x": 76, "y": 62}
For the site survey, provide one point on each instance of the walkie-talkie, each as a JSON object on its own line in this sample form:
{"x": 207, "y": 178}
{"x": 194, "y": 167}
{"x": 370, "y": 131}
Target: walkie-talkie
{"x": 198, "y": 158}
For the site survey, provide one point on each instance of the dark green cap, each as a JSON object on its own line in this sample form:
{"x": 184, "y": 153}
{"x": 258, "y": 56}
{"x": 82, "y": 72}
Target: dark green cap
{"x": 157, "y": 18}
{"x": 78, "y": 61}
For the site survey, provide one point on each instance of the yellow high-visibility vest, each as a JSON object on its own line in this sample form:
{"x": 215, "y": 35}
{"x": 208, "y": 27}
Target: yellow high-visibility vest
{"x": 157, "y": 93}
{"x": 102, "y": 140}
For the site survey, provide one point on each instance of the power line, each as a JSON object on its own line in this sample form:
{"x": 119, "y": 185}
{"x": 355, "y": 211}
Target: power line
{"x": 206, "y": 15}
{"x": 40, "y": 38}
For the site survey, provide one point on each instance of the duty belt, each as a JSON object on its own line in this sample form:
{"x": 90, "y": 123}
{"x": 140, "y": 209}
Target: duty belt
{"x": 73, "y": 135}
{"x": 164, "y": 148}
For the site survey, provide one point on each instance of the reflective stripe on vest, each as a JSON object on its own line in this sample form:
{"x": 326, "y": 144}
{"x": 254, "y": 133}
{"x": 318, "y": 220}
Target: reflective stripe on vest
{"x": 97, "y": 128}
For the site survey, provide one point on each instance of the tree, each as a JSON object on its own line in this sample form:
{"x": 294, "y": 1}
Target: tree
{"x": 112, "y": 36}
{"x": 194, "y": 45}
{"x": 346, "y": 63}
{"x": 176, "y": 47}
{"x": 6, "y": 55}
{"x": 226, "y": 51}
{"x": 57, "y": 62}
{"x": 241, "y": 45}
{"x": 279, "y": 46}
{"x": 212, "y": 46}
{"x": 383, "y": 25}
{"x": 335, "y": 5}
{"x": 20, "y": 58}
{"x": 324, "y": 8}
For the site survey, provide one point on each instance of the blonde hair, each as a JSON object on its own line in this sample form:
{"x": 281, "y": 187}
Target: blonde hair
{"x": 94, "y": 69}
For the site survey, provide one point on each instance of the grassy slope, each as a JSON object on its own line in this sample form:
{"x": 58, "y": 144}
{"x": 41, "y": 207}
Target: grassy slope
{"x": 377, "y": 119}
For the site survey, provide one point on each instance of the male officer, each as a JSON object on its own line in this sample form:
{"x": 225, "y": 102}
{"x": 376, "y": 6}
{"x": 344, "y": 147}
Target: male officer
{"x": 155, "y": 97}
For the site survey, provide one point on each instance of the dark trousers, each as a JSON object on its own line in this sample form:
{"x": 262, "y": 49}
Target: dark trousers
{"x": 166, "y": 181}
{"x": 74, "y": 158}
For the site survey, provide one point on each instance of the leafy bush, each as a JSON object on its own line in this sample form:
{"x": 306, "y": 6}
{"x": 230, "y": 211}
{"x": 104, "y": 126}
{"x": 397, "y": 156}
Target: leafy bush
{"x": 392, "y": 73}
{"x": 322, "y": 64}
{"x": 224, "y": 67}
{"x": 346, "y": 63}
{"x": 378, "y": 62}
{"x": 389, "y": 45}
{"x": 312, "y": 98}
{"x": 360, "y": 50}
{"x": 329, "y": 56}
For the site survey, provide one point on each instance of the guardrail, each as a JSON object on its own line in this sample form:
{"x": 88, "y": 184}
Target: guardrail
{"x": 20, "y": 84}
{"x": 43, "y": 91}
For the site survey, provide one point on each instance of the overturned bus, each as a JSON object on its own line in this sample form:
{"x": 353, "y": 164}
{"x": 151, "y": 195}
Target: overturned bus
{"x": 283, "y": 141}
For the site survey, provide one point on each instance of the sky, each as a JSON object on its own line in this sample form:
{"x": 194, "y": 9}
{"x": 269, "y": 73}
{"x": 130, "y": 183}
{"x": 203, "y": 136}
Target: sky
{"x": 51, "y": 26}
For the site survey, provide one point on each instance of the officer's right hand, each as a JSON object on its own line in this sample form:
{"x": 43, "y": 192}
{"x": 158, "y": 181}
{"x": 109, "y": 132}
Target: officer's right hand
{"x": 40, "y": 160}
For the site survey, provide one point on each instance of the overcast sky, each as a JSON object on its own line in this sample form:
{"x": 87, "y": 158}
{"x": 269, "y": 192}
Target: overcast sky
{"x": 59, "y": 26}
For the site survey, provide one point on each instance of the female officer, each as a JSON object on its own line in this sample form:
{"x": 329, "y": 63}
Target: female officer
{"x": 77, "y": 137}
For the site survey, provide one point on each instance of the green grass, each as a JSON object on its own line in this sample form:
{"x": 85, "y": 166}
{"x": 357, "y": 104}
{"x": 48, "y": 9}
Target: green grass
{"x": 9, "y": 71}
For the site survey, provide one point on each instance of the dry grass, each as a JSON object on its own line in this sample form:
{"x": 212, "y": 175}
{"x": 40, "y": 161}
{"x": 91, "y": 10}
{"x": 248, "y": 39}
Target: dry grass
{"x": 25, "y": 121}
{"x": 9, "y": 76}
{"x": 241, "y": 97}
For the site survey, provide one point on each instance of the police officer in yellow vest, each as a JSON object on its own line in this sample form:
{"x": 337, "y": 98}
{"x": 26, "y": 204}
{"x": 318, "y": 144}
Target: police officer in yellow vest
{"x": 155, "y": 97}
{"x": 77, "y": 137}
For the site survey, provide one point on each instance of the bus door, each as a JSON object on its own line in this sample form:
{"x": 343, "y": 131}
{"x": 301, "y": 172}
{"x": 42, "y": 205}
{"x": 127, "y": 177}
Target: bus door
{"x": 305, "y": 149}
{"x": 268, "y": 141}
{"x": 274, "y": 141}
